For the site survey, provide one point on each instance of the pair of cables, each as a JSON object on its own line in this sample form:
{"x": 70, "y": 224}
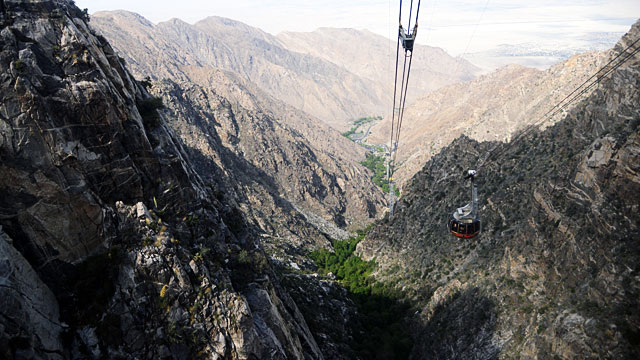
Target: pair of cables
{"x": 406, "y": 40}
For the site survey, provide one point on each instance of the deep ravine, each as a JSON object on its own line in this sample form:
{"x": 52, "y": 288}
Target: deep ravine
{"x": 183, "y": 219}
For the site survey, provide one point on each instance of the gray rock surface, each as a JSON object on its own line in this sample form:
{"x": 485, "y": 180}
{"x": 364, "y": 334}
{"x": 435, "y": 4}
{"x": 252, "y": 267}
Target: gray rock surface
{"x": 28, "y": 309}
{"x": 118, "y": 248}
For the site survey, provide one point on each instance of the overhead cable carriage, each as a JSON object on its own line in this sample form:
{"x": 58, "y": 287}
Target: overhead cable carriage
{"x": 464, "y": 222}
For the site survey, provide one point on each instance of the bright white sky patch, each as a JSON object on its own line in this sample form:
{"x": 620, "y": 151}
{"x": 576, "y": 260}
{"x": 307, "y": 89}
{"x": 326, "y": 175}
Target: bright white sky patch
{"x": 456, "y": 26}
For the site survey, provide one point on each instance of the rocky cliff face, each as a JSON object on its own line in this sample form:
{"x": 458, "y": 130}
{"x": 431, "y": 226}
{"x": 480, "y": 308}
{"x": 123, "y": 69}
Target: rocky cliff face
{"x": 491, "y": 107}
{"x": 555, "y": 271}
{"x": 316, "y": 86}
{"x": 112, "y": 245}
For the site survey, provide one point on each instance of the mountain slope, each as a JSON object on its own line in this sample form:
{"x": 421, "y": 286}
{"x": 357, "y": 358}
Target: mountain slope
{"x": 491, "y": 107}
{"x": 372, "y": 57}
{"x": 555, "y": 271}
{"x": 311, "y": 84}
{"x": 299, "y": 159}
{"x": 272, "y": 170}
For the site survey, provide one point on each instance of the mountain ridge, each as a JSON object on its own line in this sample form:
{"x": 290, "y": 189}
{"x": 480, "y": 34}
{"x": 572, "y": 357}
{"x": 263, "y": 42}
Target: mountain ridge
{"x": 260, "y": 58}
{"x": 371, "y": 56}
{"x": 554, "y": 272}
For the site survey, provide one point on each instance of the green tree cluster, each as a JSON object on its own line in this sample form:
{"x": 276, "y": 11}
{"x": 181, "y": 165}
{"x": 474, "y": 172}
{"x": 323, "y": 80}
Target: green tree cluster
{"x": 358, "y": 123}
{"x": 376, "y": 164}
{"x": 351, "y": 131}
{"x": 368, "y": 119}
{"x": 383, "y": 333}
{"x": 351, "y": 270}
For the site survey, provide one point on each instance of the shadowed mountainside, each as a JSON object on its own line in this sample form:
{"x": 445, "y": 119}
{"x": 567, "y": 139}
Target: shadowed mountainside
{"x": 559, "y": 253}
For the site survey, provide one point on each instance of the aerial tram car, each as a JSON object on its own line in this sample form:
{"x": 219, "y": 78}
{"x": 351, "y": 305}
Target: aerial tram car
{"x": 464, "y": 221}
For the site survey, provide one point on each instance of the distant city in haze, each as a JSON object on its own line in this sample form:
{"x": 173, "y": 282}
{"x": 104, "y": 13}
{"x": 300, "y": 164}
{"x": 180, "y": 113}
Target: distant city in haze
{"x": 478, "y": 29}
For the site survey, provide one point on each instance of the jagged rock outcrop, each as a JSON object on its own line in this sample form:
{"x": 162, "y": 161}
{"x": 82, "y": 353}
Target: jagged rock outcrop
{"x": 184, "y": 298}
{"x": 331, "y": 314}
{"x": 490, "y": 107}
{"x": 112, "y": 246}
{"x": 555, "y": 271}
{"x": 28, "y": 309}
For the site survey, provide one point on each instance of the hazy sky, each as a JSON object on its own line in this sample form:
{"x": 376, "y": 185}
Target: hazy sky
{"x": 455, "y": 25}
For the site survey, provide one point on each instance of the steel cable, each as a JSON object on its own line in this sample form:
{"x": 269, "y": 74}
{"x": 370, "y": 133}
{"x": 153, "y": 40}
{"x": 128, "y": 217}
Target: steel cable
{"x": 558, "y": 107}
